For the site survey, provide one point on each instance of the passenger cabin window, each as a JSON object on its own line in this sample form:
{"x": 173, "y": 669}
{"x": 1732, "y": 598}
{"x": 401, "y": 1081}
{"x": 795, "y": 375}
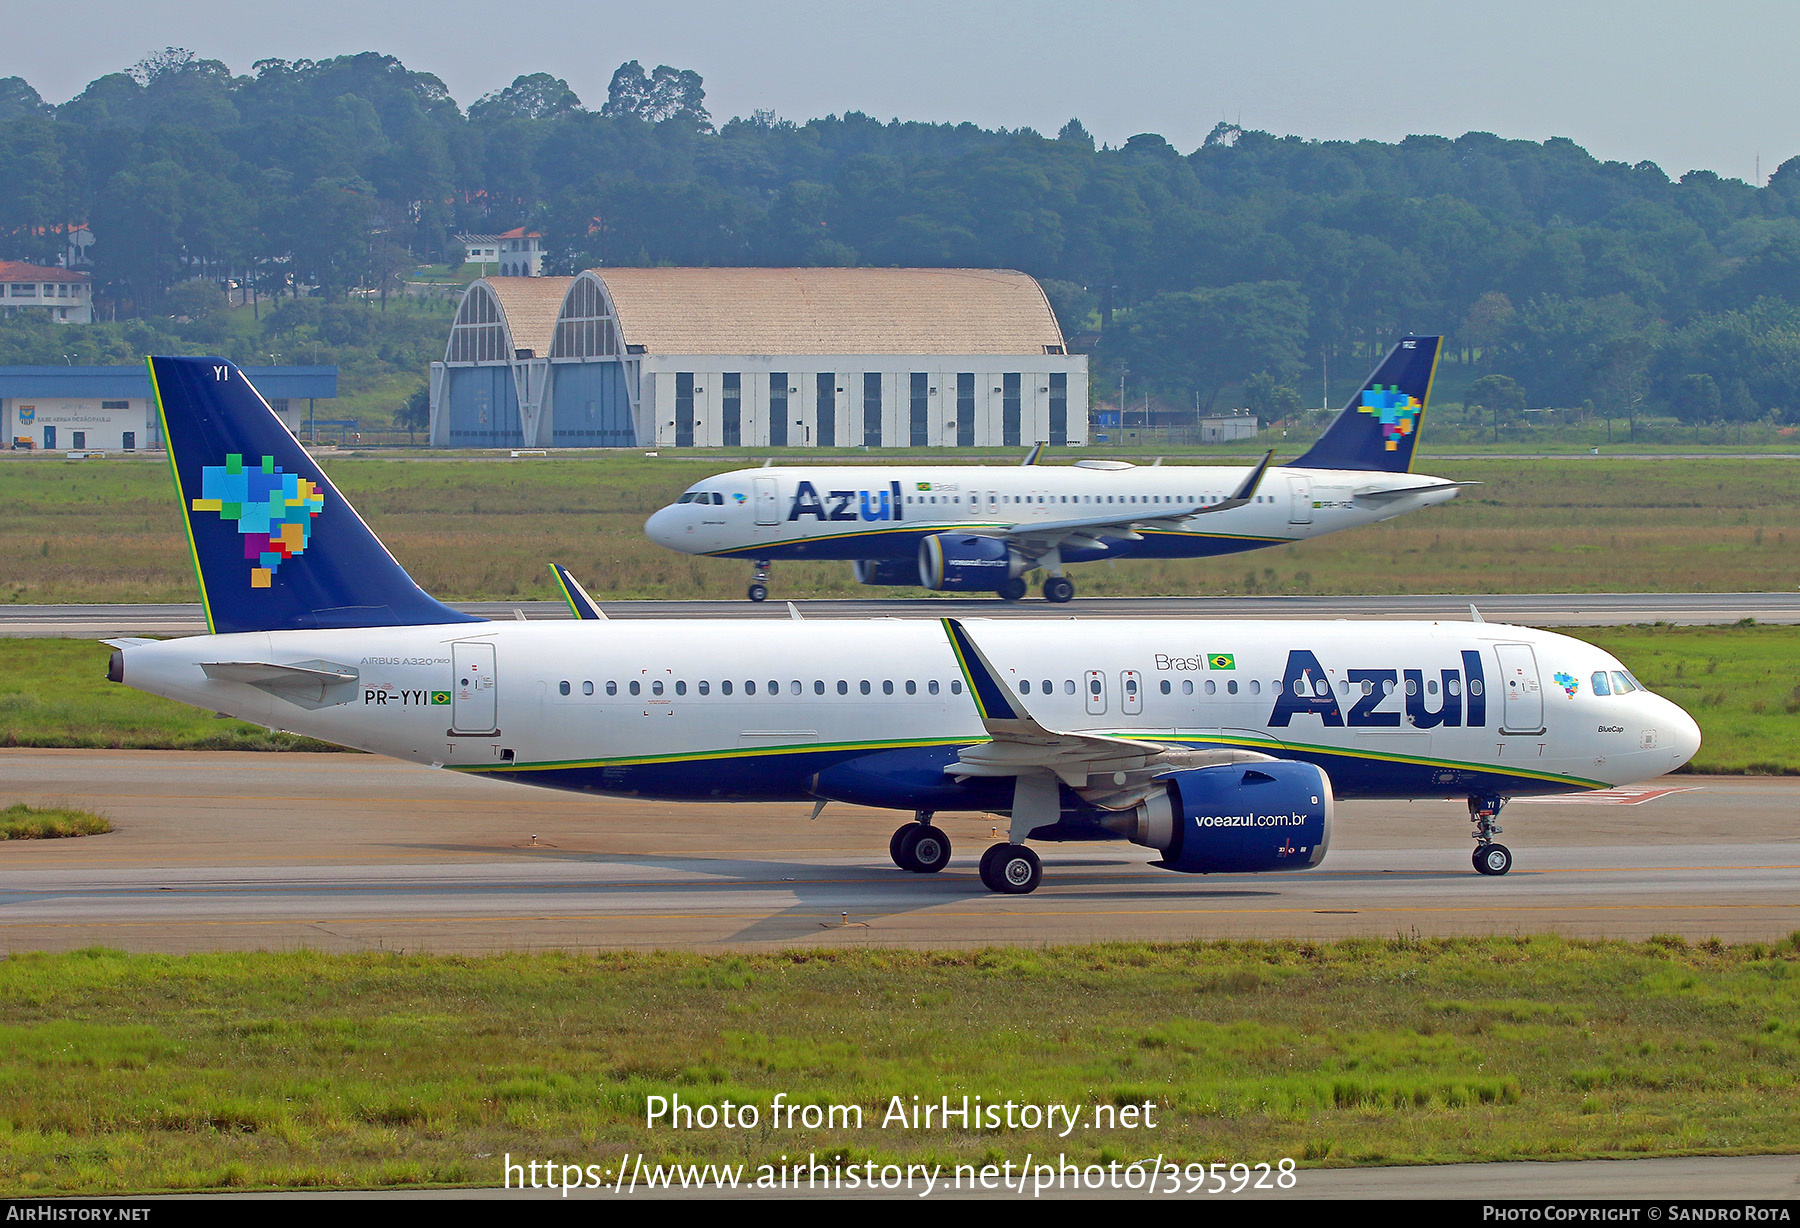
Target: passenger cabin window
{"x": 636, "y": 689}
{"x": 612, "y": 688}
{"x": 564, "y": 687}
{"x": 587, "y": 688}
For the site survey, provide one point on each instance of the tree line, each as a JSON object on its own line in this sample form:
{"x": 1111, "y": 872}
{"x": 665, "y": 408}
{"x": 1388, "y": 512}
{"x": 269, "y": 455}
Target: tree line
{"x": 1252, "y": 264}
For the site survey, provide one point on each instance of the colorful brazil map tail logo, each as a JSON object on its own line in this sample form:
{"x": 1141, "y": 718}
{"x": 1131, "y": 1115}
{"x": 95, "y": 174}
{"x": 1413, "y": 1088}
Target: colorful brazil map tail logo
{"x": 273, "y": 510}
{"x": 1397, "y": 412}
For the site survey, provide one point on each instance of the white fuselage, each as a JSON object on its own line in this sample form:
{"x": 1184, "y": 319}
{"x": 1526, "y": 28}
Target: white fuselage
{"x": 714, "y": 709}
{"x": 850, "y": 512}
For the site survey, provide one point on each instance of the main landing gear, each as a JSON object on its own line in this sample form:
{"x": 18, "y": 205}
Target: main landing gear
{"x": 759, "y": 581}
{"x": 1011, "y": 869}
{"x": 1057, "y": 589}
{"x": 920, "y": 847}
{"x": 1490, "y": 858}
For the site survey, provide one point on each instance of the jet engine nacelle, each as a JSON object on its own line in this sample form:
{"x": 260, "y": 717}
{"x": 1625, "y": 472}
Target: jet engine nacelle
{"x": 953, "y": 562}
{"x": 1238, "y": 818}
{"x": 886, "y": 571}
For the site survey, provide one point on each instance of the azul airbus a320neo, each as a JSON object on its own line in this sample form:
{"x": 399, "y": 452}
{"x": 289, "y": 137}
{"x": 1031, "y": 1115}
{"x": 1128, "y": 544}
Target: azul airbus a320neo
{"x": 982, "y": 528}
{"x": 1221, "y": 745}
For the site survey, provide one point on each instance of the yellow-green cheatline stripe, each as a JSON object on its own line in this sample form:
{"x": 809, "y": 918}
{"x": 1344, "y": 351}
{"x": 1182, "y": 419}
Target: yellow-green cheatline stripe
{"x": 187, "y": 524}
{"x": 745, "y": 752}
{"x": 1269, "y": 744}
{"x": 1347, "y": 752}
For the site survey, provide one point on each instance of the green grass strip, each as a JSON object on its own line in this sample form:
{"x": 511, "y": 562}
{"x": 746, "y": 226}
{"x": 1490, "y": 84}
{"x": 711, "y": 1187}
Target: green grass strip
{"x": 22, "y": 822}
{"x": 123, "y": 1073}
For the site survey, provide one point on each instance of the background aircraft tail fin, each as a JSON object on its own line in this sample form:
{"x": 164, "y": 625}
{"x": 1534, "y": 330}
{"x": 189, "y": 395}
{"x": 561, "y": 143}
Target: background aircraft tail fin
{"x": 275, "y": 546}
{"x": 1379, "y": 429}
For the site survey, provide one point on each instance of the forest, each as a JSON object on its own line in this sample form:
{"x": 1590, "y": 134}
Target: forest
{"x": 1250, "y": 266}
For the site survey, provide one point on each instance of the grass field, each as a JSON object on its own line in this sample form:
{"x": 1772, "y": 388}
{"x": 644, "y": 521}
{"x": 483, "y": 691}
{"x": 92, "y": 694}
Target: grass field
{"x": 1741, "y": 683}
{"x": 140, "y": 1073}
{"x": 470, "y": 530}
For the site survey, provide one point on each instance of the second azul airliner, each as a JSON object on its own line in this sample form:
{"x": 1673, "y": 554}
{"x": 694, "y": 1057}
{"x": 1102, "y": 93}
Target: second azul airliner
{"x": 984, "y": 528}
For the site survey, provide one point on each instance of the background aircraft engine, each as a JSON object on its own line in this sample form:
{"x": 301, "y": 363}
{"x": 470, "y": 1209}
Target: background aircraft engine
{"x": 886, "y": 571}
{"x": 1238, "y": 818}
{"x": 952, "y": 562}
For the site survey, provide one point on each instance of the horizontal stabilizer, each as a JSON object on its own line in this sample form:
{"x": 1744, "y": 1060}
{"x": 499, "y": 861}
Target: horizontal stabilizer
{"x": 263, "y": 674}
{"x": 306, "y": 684}
{"x": 1380, "y": 494}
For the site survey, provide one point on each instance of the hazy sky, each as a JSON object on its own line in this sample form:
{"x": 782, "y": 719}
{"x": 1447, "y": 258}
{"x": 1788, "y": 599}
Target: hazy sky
{"x": 1683, "y": 84}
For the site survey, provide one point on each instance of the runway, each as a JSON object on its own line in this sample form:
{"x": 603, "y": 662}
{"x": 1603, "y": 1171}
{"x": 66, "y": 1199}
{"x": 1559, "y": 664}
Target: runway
{"x": 1527, "y": 609}
{"x": 348, "y": 852}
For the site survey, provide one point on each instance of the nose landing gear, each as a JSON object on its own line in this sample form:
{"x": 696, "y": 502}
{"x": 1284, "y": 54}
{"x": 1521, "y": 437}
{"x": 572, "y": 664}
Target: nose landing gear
{"x": 759, "y": 581}
{"x": 1490, "y": 858}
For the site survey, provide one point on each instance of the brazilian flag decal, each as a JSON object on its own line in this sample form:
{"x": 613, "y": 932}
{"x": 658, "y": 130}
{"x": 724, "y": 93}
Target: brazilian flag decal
{"x": 440, "y": 697}
{"x": 1221, "y": 660}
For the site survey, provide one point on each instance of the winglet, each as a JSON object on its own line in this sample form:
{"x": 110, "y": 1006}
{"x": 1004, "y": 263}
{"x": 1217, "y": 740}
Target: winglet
{"x": 1244, "y": 493}
{"x": 1031, "y": 457}
{"x": 1475, "y": 614}
{"x": 992, "y": 698}
{"x": 581, "y": 605}
{"x": 794, "y": 612}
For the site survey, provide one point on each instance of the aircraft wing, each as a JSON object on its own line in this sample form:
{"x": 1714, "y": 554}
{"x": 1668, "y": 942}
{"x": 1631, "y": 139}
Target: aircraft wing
{"x": 1034, "y": 538}
{"x": 1104, "y": 769}
{"x": 1380, "y": 494}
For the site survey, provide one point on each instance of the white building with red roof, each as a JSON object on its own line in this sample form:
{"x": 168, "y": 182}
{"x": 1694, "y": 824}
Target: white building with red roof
{"x": 518, "y": 252}
{"x": 65, "y": 294}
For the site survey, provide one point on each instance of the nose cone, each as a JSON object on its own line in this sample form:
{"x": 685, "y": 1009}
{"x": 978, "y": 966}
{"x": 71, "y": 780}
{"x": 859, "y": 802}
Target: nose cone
{"x": 664, "y": 527}
{"x": 1684, "y": 737}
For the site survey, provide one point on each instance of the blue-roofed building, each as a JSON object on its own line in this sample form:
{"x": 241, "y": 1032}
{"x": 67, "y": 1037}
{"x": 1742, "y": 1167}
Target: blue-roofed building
{"x": 110, "y": 408}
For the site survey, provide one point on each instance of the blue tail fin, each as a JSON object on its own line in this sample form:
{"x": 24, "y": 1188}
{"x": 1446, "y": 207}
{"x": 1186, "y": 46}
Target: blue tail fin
{"x": 275, "y": 546}
{"x": 1379, "y": 429}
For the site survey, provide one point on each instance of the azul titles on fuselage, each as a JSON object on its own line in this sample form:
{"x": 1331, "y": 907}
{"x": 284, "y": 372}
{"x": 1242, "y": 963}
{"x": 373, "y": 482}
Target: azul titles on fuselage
{"x": 981, "y": 528}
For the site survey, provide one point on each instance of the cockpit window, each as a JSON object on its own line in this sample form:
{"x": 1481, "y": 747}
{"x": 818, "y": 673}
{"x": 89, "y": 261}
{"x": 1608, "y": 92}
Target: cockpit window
{"x": 1601, "y": 686}
{"x": 1621, "y": 684}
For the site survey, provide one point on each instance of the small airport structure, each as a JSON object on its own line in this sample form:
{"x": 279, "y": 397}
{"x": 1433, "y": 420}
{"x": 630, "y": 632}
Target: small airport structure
{"x": 111, "y": 408}
{"x": 65, "y": 295}
{"x": 758, "y": 358}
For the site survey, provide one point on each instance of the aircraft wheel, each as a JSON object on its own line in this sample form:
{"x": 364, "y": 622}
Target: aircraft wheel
{"x": 897, "y": 840}
{"x": 927, "y": 850}
{"x": 1059, "y": 589}
{"x": 1011, "y": 869}
{"x": 1013, "y": 589}
{"x": 1492, "y": 859}
{"x": 759, "y": 592}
